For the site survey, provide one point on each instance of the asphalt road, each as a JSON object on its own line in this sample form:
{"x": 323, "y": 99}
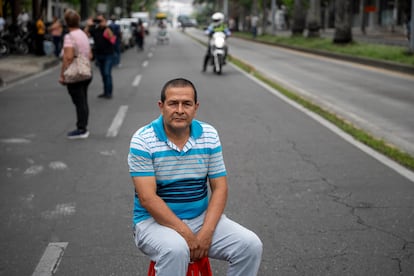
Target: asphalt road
{"x": 320, "y": 205}
{"x": 377, "y": 100}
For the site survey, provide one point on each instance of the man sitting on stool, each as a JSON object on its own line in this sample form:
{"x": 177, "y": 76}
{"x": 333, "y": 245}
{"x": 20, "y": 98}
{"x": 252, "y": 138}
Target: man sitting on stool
{"x": 175, "y": 222}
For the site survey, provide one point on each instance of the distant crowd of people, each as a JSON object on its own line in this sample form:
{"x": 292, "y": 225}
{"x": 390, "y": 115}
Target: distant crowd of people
{"x": 46, "y": 38}
{"x": 36, "y": 32}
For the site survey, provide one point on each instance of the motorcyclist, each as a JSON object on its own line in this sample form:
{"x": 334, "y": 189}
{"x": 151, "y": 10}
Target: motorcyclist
{"x": 217, "y": 25}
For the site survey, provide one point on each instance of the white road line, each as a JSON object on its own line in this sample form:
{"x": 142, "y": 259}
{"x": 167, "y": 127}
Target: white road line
{"x": 381, "y": 158}
{"x": 117, "y": 122}
{"x": 145, "y": 63}
{"x": 50, "y": 260}
{"x": 150, "y": 55}
{"x": 136, "y": 81}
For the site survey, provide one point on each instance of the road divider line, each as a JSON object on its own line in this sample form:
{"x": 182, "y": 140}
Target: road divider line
{"x": 145, "y": 63}
{"x": 50, "y": 260}
{"x": 117, "y": 121}
{"x": 136, "y": 81}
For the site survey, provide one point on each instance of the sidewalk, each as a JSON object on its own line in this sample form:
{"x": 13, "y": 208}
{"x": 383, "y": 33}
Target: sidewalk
{"x": 17, "y": 67}
{"x": 378, "y": 36}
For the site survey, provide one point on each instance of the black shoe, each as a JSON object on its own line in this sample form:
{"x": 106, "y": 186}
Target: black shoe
{"x": 78, "y": 134}
{"x": 103, "y": 96}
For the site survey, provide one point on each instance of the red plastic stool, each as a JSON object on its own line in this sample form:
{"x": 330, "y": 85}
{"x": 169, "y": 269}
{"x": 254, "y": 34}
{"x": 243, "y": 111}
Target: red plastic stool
{"x": 198, "y": 268}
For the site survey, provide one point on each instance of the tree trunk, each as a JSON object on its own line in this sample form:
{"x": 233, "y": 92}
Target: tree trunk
{"x": 314, "y": 15}
{"x": 343, "y": 22}
{"x": 299, "y": 17}
{"x": 264, "y": 18}
{"x": 84, "y": 9}
{"x": 363, "y": 16}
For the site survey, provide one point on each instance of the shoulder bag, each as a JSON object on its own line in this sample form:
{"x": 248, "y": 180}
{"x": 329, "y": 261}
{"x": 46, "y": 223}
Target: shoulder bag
{"x": 79, "y": 69}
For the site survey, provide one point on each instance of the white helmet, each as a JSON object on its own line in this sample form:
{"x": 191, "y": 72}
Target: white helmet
{"x": 217, "y": 18}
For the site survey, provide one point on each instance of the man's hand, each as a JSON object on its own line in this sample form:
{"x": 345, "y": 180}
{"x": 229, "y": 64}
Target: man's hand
{"x": 198, "y": 244}
{"x": 204, "y": 242}
{"x": 193, "y": 245}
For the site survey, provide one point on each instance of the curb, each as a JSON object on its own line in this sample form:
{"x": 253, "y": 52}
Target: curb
{"x": 44, "y": 66}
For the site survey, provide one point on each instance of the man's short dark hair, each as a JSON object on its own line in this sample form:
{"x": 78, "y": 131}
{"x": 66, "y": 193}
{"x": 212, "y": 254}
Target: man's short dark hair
{"x": 178, "y": 82}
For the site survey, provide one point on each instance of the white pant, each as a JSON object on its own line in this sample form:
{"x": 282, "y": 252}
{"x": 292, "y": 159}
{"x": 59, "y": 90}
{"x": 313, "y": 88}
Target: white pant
{"x": 240, "y": 247}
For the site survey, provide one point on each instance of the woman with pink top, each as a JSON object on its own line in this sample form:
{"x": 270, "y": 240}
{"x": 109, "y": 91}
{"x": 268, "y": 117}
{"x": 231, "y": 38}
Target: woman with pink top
{"x": 56, "y": 30}
{"x": 76, "y": 42}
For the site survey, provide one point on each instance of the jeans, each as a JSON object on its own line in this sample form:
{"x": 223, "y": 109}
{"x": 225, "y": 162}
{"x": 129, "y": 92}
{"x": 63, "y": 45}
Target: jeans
{"x": 57, "y": 41}
{"x": 117, "y": 53}
{"x": 79, "y": 94}
{"x": 233, "y": 243}
{"x": 105, "y": 67}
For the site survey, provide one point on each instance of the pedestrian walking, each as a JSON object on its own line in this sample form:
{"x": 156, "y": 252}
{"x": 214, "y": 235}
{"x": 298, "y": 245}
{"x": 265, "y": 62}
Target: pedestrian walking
{"x": 140, "y": 35}
{"x": 56, "y": 30}
{"x": 76, "y": 43}
{"x": 40, "y": 36}
{"x": 116, "y": 29}
{"x": 254, "y": 21}
{"x": 174, "y": 221}
{"x": 104, "y": 41}
{"x": 2, "y": 24}
{"x": 23, "y": 20}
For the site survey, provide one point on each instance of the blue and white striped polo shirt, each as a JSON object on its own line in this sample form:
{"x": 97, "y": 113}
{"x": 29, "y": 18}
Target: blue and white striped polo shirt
{"x": 181, "y": 176}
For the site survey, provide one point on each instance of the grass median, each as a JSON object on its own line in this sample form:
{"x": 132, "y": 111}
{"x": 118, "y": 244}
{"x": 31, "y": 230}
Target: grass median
{"x": 381, "y": 52}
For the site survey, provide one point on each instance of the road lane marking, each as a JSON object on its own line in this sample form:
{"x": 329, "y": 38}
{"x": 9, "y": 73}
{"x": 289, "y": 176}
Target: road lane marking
{"x": 15, "y": 141}
{"x": 58, "y": 165}
{"x": 33, "y": 170}
{"x": 145, "y": 63}
{"x": 50, "y": 260}
{"x": 378, "y": 156}
{"x": 150, "y": 55}
{"x": 61, "y": 210}
{"x": 136, "y": 81}
{"x": 117, "y": 121}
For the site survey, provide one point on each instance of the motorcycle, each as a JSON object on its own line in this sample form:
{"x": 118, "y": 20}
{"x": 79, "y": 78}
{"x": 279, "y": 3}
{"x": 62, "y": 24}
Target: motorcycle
{"x": 4, "y": 47}
{"x": 218, "y": 51}
{"x": 17, "y": 41}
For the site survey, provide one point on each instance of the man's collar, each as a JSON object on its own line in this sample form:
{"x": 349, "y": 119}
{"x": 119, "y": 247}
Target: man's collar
{"x": 158, "y": 124}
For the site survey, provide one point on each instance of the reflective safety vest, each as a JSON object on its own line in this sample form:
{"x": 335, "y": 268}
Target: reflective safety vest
{"x": 220, "y": 28}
